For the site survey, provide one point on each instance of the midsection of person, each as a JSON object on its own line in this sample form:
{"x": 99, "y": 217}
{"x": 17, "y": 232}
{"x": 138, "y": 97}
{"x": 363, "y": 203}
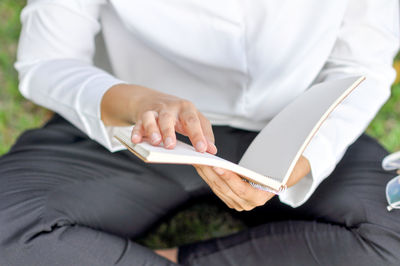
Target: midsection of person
{"x": 231, "y": 63}
{"x": 239, "y": 62}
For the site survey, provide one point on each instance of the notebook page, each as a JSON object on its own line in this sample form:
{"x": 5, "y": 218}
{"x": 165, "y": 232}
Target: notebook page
{"x": 186, "y": 154}
{"x": 278, "y": 146}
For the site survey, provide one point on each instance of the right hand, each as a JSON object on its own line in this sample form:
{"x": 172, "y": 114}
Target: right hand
{"x": 157, "y": 116}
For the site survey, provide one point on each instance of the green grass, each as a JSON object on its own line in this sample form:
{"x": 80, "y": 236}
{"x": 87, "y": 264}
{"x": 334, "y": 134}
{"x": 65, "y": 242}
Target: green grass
{"x": 200, "y": 221}
{"x": 386, "y": 125}
{"x": 16, "y": 114}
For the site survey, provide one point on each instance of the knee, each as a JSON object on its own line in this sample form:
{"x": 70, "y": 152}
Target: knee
{"x": 20, "y": 210}
{"x": 20, "y": 222}
{"x": 17, "y": 223}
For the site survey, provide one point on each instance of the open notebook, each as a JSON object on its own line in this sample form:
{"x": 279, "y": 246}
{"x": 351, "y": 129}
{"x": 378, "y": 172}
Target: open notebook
{"x": 271, "y": 157}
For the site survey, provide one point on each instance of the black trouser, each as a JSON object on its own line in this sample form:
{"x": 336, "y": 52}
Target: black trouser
{"x": 65, "y": 200}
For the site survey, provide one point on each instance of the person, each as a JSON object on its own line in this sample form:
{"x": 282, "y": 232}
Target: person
{"x": 215, "y": 72}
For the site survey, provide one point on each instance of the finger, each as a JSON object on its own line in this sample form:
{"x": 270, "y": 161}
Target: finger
{"x": 219, "y": 186}
{"x": 150, "y": 127}
{"x": 228, "y": 201}
{"x": 208, "y": 133}
{"x": 179, "y": 128}
{"x": 214, "y": 181}
{"x": 166, "y": 122}
{"x": 192, "y": 127}
{"x": 243, "y": 190}
{"x": 137, "y": 132}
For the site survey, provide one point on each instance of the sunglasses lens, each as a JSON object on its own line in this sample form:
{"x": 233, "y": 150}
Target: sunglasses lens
{"x": 393, "y": 190}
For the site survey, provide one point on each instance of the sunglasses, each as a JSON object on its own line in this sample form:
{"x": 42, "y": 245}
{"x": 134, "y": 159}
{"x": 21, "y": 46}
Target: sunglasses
{"x": 389, "y": 163}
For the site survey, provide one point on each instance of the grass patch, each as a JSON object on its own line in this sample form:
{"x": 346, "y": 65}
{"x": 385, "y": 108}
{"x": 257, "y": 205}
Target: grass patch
{"x": 386, "y": 125}
{"x": 198, "y": 222}
{"x": 16, "y": 114}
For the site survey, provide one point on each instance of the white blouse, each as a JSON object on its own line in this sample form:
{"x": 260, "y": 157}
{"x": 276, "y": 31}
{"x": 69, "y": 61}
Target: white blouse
{"x": 240, "y": 62}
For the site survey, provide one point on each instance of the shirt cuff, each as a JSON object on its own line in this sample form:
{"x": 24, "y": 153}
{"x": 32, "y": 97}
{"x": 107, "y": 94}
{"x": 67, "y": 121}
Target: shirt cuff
{"x": 322, "y": 162}
{"x": 110, "y": 131}
{"x": 90, "y": 113}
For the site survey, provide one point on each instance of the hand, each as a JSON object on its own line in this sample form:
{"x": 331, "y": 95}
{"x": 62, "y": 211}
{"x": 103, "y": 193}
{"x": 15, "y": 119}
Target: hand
{"x": 232, "y": 190}
{"x": 157, "y": 117}
{"x": 240, "y": 195}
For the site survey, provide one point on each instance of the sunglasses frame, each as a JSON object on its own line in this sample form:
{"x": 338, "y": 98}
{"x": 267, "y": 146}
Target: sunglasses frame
{"x": 395, "y": 205}
{"x": 391, "y": 161}
{"x": 390, "y": 207}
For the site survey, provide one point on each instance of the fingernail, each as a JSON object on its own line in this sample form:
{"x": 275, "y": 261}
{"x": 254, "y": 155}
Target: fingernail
{"x": 168, "y": 141}
{"x": 135, "y": 137}
{"x": 200, "y": 146}
{"x": 218, "y": 170}
{"x": 155, "y": 137}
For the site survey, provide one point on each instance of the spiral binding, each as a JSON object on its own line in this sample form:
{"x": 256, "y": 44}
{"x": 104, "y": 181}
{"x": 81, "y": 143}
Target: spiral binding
{"x": 281, "y": 190}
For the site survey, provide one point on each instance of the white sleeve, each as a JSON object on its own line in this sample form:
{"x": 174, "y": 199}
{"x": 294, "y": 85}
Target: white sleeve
{"x": 366, "y": 45}
{"x": 54, "y": 62}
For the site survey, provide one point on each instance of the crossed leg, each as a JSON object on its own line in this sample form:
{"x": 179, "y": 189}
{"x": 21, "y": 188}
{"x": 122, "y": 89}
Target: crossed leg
{"x": 65, "y": 200}
{"x": 344, "y": 222}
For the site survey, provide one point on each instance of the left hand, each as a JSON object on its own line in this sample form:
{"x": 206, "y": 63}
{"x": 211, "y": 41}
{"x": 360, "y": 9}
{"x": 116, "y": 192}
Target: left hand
{"x": 240, "y": 195}
{"x": 231, "y": 189}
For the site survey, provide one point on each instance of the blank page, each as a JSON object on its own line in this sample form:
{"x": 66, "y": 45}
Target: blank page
{"x": 278, "y": 146}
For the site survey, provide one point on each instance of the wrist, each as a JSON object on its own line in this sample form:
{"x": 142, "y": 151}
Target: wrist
{"x": 119, "y": 104}
{"x": 301, "y": 169}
